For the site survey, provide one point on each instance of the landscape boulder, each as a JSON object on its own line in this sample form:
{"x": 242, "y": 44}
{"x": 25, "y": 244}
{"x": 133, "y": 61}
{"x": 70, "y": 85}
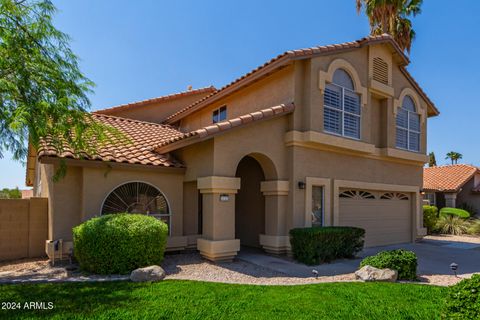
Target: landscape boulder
{"x": 151, "y": 273}
{"x": 369, "y": 273}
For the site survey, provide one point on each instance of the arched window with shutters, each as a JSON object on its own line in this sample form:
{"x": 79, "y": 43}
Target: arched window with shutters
{"x": 408, "y": 126}
{"x": 342, "y": 114}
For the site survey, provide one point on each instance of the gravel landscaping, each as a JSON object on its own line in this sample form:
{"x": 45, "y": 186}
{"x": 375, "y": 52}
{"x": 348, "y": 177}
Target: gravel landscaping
{"x": 448, "y": 237}
{"x": 186, "y": 266}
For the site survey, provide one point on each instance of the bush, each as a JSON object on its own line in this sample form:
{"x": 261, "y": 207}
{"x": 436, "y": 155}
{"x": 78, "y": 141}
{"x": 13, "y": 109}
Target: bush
{"x": 405, "y": 262}
{"x": 323, "y": 244}
{"x": 463, "y": 300}
{"x": 454, "y": 212}
{"x": 430, "y": 217}
{"x": 468, "y": 207}
{"x": 119, "y": 243}
{"x": 474, "y": 227}
{"x": 452, "y": 225}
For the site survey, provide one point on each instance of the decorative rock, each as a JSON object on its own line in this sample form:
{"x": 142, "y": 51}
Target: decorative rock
{"x": 369, "y": 273}
{"x": 151, "y": 273}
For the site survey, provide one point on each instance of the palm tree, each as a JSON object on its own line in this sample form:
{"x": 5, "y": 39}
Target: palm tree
{"x": 454, "y": 156}
{"x": 392, "y": 17}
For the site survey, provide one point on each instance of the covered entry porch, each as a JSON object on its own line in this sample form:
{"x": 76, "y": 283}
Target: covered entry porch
{"x": 248, "y": 209}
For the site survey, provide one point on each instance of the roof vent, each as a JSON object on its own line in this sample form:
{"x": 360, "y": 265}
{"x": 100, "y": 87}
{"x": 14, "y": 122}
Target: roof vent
{"x": 380, "y": 70}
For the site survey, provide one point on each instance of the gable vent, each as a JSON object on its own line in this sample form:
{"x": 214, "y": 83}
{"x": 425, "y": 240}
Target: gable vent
{"x": 380, "y": 70}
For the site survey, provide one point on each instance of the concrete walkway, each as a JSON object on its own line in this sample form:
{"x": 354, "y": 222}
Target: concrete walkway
{"x": 434, "y": 258}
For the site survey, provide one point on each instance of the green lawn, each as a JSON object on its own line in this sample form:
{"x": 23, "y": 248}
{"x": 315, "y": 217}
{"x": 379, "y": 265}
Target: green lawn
{"x": 200, "y": 300}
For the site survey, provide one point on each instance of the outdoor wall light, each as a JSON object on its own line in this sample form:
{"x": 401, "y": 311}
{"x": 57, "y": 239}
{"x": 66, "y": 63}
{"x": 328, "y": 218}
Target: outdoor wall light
{"x": 301, "y": 185}
{"x": 224, "y": 197}
{"x": 454, "y": 268}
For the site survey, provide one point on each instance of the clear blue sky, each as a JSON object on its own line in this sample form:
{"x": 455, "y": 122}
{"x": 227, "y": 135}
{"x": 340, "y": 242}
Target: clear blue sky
{"x": 135, "y": 50}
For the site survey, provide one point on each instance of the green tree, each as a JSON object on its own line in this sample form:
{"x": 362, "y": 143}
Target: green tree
{"x": 454, "y": 156}
{"x": 6, "y": 193}
{"x": 392, "y": 17}
{"x": 43, "y": 94}
{"x": 432, "y": 162}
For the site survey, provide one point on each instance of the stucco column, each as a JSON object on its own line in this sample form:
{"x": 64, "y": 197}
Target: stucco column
{"x": 275, "y": 240}
{"x": 450, "y": 200}
{"x": 218, "y": 241}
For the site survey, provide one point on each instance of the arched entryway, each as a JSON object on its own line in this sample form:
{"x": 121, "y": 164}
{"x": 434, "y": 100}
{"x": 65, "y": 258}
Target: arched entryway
{"x": 249, "y": 203}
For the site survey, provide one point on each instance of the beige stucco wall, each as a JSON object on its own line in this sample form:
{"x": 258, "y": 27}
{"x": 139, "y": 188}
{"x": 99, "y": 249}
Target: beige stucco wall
{"x": 190, "y": 208}
{"x": 378, "y": 116}
{"x": 23, "y": 228}
{"x": 157, "y": 112}
{"x": 268, "y": 92}
{"x": 338, "y": 166}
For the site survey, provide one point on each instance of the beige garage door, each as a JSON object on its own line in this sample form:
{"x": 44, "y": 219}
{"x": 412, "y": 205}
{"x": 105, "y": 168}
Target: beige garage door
{"x": 385, "y": 216}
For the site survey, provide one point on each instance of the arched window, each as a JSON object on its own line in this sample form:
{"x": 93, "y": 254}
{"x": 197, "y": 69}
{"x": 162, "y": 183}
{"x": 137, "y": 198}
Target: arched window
{"x": 341, "y": 106}
{"x": 138, "y": 197}
{"x": 408, "y": 126}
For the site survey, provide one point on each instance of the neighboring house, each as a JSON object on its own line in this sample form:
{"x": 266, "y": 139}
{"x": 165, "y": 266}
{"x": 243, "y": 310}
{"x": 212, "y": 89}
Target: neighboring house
{"x": 329, "y": 135}
{"x": 452, "y": 186}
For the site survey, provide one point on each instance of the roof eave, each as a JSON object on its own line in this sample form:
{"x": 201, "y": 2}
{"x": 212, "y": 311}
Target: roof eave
{"x": 286, "y": 58}
{"x": 202, "y": 137}
{"x": 255, "y": 76}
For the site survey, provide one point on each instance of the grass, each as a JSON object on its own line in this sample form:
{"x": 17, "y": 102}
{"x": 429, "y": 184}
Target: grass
{"x": 172, "y": 299}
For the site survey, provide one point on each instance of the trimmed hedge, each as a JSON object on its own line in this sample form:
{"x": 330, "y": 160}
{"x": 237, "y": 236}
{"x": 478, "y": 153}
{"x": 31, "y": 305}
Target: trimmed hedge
{"x": 119, "y": 243}
{"x": 430, "y": 218}
{"x": 463, "y": 300}
{"x": 405, "y": 262}
{"x": 454, "y": 212}
{"x": 323, "y": 244}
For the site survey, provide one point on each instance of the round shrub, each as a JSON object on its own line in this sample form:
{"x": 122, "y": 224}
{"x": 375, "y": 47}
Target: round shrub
{"x": 454, "y": 212}
{"x": 323, "y": 244}
{"x": 430, "y": 217}
{"x": 463, "y": 300}
{"x": 119, "y": 243}
{"x": 405, "y": 262}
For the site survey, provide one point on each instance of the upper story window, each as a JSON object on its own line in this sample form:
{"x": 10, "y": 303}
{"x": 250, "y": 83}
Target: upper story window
{"x": 408, "y": 126}
{"x": 219, "y": 114}
{"x": 342, "y": 106}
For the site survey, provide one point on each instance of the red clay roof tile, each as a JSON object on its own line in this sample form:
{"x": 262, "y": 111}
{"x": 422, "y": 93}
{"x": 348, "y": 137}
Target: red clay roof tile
{"x": 286, "y": 56}
{"x": 172, "y": 96}
{"x": 143, "y": 135}
{"x": 447, "y": 178}
{"x": 264, "y": 114}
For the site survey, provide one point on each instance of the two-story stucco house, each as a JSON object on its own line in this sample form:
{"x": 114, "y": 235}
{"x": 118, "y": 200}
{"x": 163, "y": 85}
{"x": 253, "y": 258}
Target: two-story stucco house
{"x": 329, "y": 135}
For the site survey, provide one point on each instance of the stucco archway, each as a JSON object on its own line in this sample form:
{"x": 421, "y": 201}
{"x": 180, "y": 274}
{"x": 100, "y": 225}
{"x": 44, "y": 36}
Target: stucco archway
{"x": 250, "y": 202}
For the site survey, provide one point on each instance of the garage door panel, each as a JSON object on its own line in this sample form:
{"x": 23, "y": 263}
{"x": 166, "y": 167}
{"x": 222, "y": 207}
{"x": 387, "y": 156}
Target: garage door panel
{"x": 386, "y": 221}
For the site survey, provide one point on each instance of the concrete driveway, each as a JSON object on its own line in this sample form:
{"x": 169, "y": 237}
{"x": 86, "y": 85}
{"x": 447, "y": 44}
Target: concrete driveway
{"x": 434, "y": 258}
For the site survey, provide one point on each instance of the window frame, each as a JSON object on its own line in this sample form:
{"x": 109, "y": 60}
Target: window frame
{"x": 322, "y": 205}
{"x": 432, "y": 195}
{"x": 407, "y": 129}
{"x": 325, "y": 183}
{"x": 158, "y": 216}
{"x": 217, "y": 114}
{"x": 343, "y": 112}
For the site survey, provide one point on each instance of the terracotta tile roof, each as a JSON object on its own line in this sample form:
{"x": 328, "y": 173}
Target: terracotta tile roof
{"x": 144, "y": 136}
{"x": 156, "y": 100}
{"x": 220, "y": 127}
{"x": 447, "y": 178}
{"x": 286, "y": 57}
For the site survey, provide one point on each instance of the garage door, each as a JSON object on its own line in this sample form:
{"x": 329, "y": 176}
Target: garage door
{"x": 385, "y": 216}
